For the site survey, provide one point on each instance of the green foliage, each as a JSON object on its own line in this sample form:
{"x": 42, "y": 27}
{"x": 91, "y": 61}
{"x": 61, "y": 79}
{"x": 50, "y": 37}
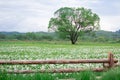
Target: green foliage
{"x": 113, "y": 74}
{"x": 101, "y": 36}
{"x": 71, "y": 21}
{"x": 86, "y": 75}
{"x": 36, "y": 76}
{"x": 3, "y": 75}
{"x": 101, "y": 39}
{"x": 27, "y": 36}
{"x": 2, "y": 36}
{"x": 93, "y": 36}
{"x": 30, "y": 36}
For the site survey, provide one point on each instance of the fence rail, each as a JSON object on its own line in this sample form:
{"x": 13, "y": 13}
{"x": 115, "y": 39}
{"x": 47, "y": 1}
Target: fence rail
{"x": 69, "y": 70}
{"x": 63, "y": 61}
{"x": 110, "y": 61}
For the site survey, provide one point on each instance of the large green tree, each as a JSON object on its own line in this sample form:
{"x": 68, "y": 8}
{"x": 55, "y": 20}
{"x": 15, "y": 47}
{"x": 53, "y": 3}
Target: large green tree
{"x": 73, "y": 21}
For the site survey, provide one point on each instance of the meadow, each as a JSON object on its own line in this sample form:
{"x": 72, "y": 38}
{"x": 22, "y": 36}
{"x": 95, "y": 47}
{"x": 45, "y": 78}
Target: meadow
{"x": 45, "y": 50}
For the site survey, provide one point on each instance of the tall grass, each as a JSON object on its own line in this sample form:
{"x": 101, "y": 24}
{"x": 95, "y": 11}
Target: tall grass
{"x": 113, "y": 74}
{"x": 87, "y": 75}
{"x": 36, "y": 76}
{"x": 3, "y": 75}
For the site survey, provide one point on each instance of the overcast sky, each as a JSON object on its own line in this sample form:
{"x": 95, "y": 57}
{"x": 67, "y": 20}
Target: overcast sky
{"x": 34, "y": 15}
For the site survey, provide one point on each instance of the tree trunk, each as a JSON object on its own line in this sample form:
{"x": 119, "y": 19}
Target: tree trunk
{"x": 74, "y": 39}
{"x": 73, "y": 42}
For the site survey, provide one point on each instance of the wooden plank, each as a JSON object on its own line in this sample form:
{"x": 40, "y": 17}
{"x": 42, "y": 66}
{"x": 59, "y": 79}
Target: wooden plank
{"x": 63, "y": 61}
{"x": 111, "y": 60}
{"x": 55, "y": 70}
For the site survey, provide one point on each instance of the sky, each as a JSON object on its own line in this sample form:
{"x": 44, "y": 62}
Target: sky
{"x": 34, "y": 15}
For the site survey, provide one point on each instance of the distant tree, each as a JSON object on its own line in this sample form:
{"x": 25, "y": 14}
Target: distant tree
{"x": 2, "y": 36}
{"x": 20, "y": 37}
{"x": 31, "y": 36}
{"x": 74, "y": 21}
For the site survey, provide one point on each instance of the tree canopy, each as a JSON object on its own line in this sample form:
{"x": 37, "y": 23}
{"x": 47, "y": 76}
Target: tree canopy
{"x": 73, "y": 21}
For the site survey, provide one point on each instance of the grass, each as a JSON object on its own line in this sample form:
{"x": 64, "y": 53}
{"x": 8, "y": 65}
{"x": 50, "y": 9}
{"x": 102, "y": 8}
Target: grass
{"x": 87, "y": 75}
{"x": 34, "y": 50}
{"x": 37, "y": 76}
{"x": 37, "y": 50}
{"x": 113, "y": 74}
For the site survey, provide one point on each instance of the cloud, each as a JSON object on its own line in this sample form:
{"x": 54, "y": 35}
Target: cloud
{"x": 35, "y": 24}
{"x": 34, "y": 15}
{"x": 107, "y": 8}
{"x": 110, "y": 23}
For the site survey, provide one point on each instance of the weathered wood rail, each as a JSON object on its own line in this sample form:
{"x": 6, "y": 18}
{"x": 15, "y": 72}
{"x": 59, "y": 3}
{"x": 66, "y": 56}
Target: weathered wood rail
{"x": 110, "y": 61}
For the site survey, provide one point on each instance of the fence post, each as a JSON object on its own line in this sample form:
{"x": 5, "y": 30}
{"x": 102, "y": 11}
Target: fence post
{"x": 111, "y": 60}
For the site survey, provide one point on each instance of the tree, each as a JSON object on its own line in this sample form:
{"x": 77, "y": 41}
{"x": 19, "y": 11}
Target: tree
{"x": 74, "y": 21}
{"x": 31, "y": 36}
{"x": 2, "y": 36}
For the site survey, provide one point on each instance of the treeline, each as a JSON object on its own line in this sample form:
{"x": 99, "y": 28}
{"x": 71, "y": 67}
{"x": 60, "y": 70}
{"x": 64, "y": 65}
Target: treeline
{"x": 102, "y": 36}
{"x": 98, "y": 36}
{"x": 27, "y": 36}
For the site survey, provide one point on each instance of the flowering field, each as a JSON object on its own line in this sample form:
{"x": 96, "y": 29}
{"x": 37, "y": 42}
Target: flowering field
{"x": 43, "y": 51}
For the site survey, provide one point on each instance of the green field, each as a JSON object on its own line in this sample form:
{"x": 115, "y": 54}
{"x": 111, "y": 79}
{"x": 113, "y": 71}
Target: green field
{"x": 37, "y": 50}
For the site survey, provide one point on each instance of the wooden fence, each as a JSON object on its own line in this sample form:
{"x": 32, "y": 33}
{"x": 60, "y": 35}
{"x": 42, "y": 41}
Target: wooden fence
{"x": 107, "y": 64}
